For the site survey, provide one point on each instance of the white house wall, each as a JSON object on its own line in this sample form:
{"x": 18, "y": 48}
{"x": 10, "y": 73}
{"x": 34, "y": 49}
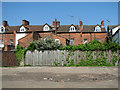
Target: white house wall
{"x": 19, "y": 36}
{"x": 117, "y": 36}
{"x": 115, "y": 29}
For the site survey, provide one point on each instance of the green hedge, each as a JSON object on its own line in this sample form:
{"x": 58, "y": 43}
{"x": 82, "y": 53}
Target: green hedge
{"x": 93, "y": 45}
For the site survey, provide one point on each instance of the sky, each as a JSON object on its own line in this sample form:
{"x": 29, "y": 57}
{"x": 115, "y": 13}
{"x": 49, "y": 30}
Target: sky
{"x": 39, "y": 13}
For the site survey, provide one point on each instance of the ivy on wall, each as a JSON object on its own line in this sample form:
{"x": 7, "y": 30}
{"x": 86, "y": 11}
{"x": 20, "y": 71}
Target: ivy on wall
{"x": 94, "y": 45}
{"x": 89, "y": 61}
{"x": 50, "y": 44}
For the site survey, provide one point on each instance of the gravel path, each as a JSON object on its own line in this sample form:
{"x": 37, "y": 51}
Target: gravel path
{"x": 60, "y": 77}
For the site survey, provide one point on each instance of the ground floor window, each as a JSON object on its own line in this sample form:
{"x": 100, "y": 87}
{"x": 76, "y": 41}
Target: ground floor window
{"x": 67, "y": 42}
{"x": 85, "y": 41}
{"x": 98, "y": 40}
{"x": 57, "y": 40}
{"x": 72, "y": 41}
{"x": 11, "y": 42}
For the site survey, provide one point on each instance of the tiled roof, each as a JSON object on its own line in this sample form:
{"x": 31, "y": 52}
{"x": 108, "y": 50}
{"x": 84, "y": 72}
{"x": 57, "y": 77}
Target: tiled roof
{"x": 13, "y": 28}
{"x": 112, "y": 26}
{"x": 86, "y": 28}
{"x": 91, "y": 28}
{"x": 62, "y": 28}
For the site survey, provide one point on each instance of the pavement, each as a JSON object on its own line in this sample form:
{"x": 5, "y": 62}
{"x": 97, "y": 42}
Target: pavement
{"x": 60, "y": 77}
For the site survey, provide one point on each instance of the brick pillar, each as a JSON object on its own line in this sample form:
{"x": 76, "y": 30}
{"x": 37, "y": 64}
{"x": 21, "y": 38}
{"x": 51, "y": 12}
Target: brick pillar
{"x": 14, "y": 40}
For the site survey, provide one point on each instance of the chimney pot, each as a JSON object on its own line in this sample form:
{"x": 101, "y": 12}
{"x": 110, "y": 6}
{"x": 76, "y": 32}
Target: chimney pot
{"x": 102, "y": 23}
{"x": 5, "y": 23}
{"x": 81, "y": 23}
{"x": 55, "y": 19}
{"x": 25, "y": 23}
{"x": 58, "y": 23}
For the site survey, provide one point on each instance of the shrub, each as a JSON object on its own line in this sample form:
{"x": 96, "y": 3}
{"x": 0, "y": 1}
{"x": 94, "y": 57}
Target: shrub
{"x": 31, "y": 47}
{"x": 94, "y": 45}
{"x": 47, "y": 44}
{"x": 20, "y": 53}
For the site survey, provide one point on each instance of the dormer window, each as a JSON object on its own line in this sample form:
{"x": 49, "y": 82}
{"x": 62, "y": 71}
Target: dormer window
{"x": 22, "y": 29}
{"x": 46, "y": 28}
{"x": 72, "y": 29}
{"x": 97, "y": 29}
{"x": 2, "y": 29}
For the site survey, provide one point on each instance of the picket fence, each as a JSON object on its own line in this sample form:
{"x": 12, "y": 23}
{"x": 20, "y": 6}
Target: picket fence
{"x": 48, "y": 58}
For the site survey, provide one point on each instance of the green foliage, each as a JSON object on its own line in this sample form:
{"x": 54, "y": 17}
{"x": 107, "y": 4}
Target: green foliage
{"x": 31, "y": 47}
{"x": 65, "y": 65}
{"x": 115, "y": 58}
{"x": 79, "y": 56}
{"x": 55, "y": 62}
{"x": 72, "y": 62}
{"x": 47, "y": 44}
{"x": 20, "y": 53}
{"x": 94, "y": 45}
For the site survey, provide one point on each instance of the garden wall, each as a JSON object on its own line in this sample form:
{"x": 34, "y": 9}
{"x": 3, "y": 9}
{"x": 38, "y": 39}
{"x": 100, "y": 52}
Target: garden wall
{"x": 64, "y": 57}
{"x": 8, "y": 58}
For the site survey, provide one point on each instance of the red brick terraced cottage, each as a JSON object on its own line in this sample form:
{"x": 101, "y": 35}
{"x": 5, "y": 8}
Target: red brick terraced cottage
{"x": 11, "y": 36}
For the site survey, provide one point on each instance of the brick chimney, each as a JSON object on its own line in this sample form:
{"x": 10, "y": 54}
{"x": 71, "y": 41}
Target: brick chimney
{"x": 55, "y": 25}
{"x": 81, "y": 28}
{"x": 58, "y": 23}
{"x": 25, "y": 22}
{"x": 81, "y": 25}
{"x": 14, "y": 40}
{"x": 5, "y": 23}
{"x": 102, "y": 23}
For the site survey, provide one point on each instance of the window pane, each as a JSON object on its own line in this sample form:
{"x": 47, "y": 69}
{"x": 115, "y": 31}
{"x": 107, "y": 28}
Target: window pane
{"x": 0, "y": 41}
{"x": 85, "y": 41}
{"x": 57, "y": 40}
{"x": 11, "y": 42}
{"x": 98, "y": 40}
{"x": 72, "y": 41}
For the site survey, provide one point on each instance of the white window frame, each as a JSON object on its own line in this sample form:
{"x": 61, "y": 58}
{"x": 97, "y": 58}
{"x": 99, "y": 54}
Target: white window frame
{"x": 57, "y": 40}
{"x": 98, "y": 40}
{"x": 97, "y": 29}
{"x": 46, "y": 28}
{"x": 0, "y": 42}
{"x": 11, "y": 41}
{"x": 71, "y": 42}
{"x": 22, "y": 29}
{"x": 72, "y": 29}
{"x": 85, "y": 41}
{"x": 1, "y": 29}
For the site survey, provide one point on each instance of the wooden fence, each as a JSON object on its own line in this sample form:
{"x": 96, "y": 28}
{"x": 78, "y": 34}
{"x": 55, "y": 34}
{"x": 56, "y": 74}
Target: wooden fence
{"x": 49, "y": 58}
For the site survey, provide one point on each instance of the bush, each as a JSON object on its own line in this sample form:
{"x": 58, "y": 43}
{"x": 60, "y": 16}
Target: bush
{"x": 94, "y": 45}
{"x": 47, "y": 44}
{"x": 20, "y": 53}
{"x": 31, "y": 47}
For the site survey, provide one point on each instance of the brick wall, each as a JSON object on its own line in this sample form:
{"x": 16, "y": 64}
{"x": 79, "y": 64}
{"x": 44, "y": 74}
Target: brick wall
{"x": 8, "y": 37}
{"x": 25, "y": 41}
{"x": 8, "y": 47}
{"x": 9, "y": 58}
{"x": 76, "y": 36}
